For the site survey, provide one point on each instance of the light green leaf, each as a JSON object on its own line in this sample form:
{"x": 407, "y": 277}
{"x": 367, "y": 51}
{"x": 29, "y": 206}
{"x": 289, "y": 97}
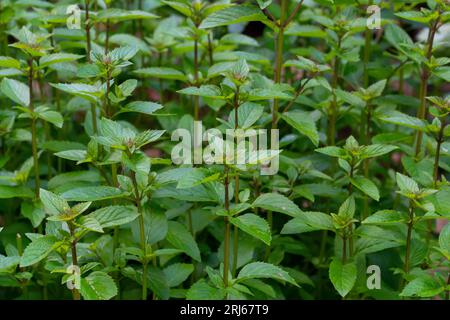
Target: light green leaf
{"x": 180, "y": 238}
{"x": 98, "y": 286}
{"x": 366, "y": 186}
{"x": 386, "y": 217}
{"x": 114, "y": 215}
{"x": 233, "y": 15}
{"x": 93, "y": 193}
{"x": 37, "y": 250}
{"x": 303, "y": 123}
{"x": 7, "y": 192}
{"x": 254, "y": 226}
{"x": 50, "y": 59}
{"x": 278, "y": 203}
{"x": 145, "y": 107}
{"x": 343, "y": 276}
{"x": 424, "y": 286}
{"x": 406, "y": 184}
{"x": 256, "y": 270}
{"x": 201, "y": 290}
{"x": 53, "y": 204}
{"x": 16, "y": 91}
{"x": 162, "y": 73}
{"x": 177, "y": 273}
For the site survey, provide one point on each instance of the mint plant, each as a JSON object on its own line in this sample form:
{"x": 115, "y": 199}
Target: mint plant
{"x": 227, "y": 149}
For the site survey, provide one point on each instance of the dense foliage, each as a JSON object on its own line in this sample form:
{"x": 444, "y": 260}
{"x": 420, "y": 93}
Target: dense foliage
{"x": 93, "y": 207}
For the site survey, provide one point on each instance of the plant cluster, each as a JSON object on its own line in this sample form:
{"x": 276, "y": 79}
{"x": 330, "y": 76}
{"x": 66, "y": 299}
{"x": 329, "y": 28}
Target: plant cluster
{"x": 92, "y": 206}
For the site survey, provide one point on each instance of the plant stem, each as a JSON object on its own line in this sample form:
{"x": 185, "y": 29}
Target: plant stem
{"x": 88, "y": 32}
{"x": 141, "y": 233}
{"x": 439, "y": 140}
{"x": 161, "y": 88}
{"x": 350, "y": 227}
{"x": 108, "y": 89}
{"x": 73, "y": 248}
{"x": 344, "y": 249}
{"x": 210, "y": 48}
{"x": 236, "y": 185}
{"x": 424, "y": 77}
{"x": 334, "y": 106}
{"x": 37, "y": 183}
{"x": 196, "y": 98}
{"x": 107, "y": 37}
{"x": 226, "y": 248}
{"x": 408, "y": 238}
{"x": 279, "y": 60}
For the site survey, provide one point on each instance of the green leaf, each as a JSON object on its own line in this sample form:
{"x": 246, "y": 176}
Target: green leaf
{"x": 8, "y": 62}
{"x": 158, "y": 283}
{"x": 117, "y": 15}
{"x": 177, "y": 273}
{"x": 278, "y": 203}
{"x": 93, "y": 193}
{"x": 207, "y": 91}
{"x": 180, "y": 238}
{"x": 343, "y": 276}
{"x": 7, "y": 192}
{"x": 366, "y": 186}
{"x": 386, "y": 217}
{"x": 248, "y": 114}
{"x": 114, "y": 215}
{"x": 307, "y": 222}
{"x": 86, "y": 91}
{"x": 416, "y": 16}
{"x": 51, "y": 116}
{"x": 232, "y": 15}
{"x": 333, "y": 152}
{"x": 303, "y": 123}
{"x": 350, "y": 98}
{"x": 444, "y": 238}
{"x": 254, "y": 226}
{"x": 376, "y": 150}
{"x": 98, "y": 286}
{"x": 37, "y": 250}
{"x": 145, "y": 107}
{"x": 53, "y": 204}
{"x": 424, "y": 286}
{"x": 162, "y": 73}
{"x": 257, "y": 270}
{"x": 402, "y": 119}
{"x": 305, "y": 31}
{"x": 201, "y": 290}
{"x": 264, "y": 3}
{"x": 395, "y": 35}
{"x": 16, "y": 91}
{"x": 443, "y": 73}
{"x": 50, "y": 59}
{"x": 406, "y": 184}
{"x": 347, "y": 209}
{"x": 181, "y": 7}
{"x": 74, "y": 155}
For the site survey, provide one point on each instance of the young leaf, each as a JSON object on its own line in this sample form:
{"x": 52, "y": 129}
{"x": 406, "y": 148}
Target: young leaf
{"x": 366, "y": 186}
{"x": 37, "y": 250}
{"x": 180, "y": 238}
{"x": 261, "y": 270}
{"x": 278, "y": 203}
{"x": 254, "y": 226}
{"x": 303, "y": 123}
{"x": 16, "y": 91}
{"x": 98, "y": 286}
{"x": 343, "y": 276}
{"x": 423, "y": 286}
{"x": 93, "y": 193}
